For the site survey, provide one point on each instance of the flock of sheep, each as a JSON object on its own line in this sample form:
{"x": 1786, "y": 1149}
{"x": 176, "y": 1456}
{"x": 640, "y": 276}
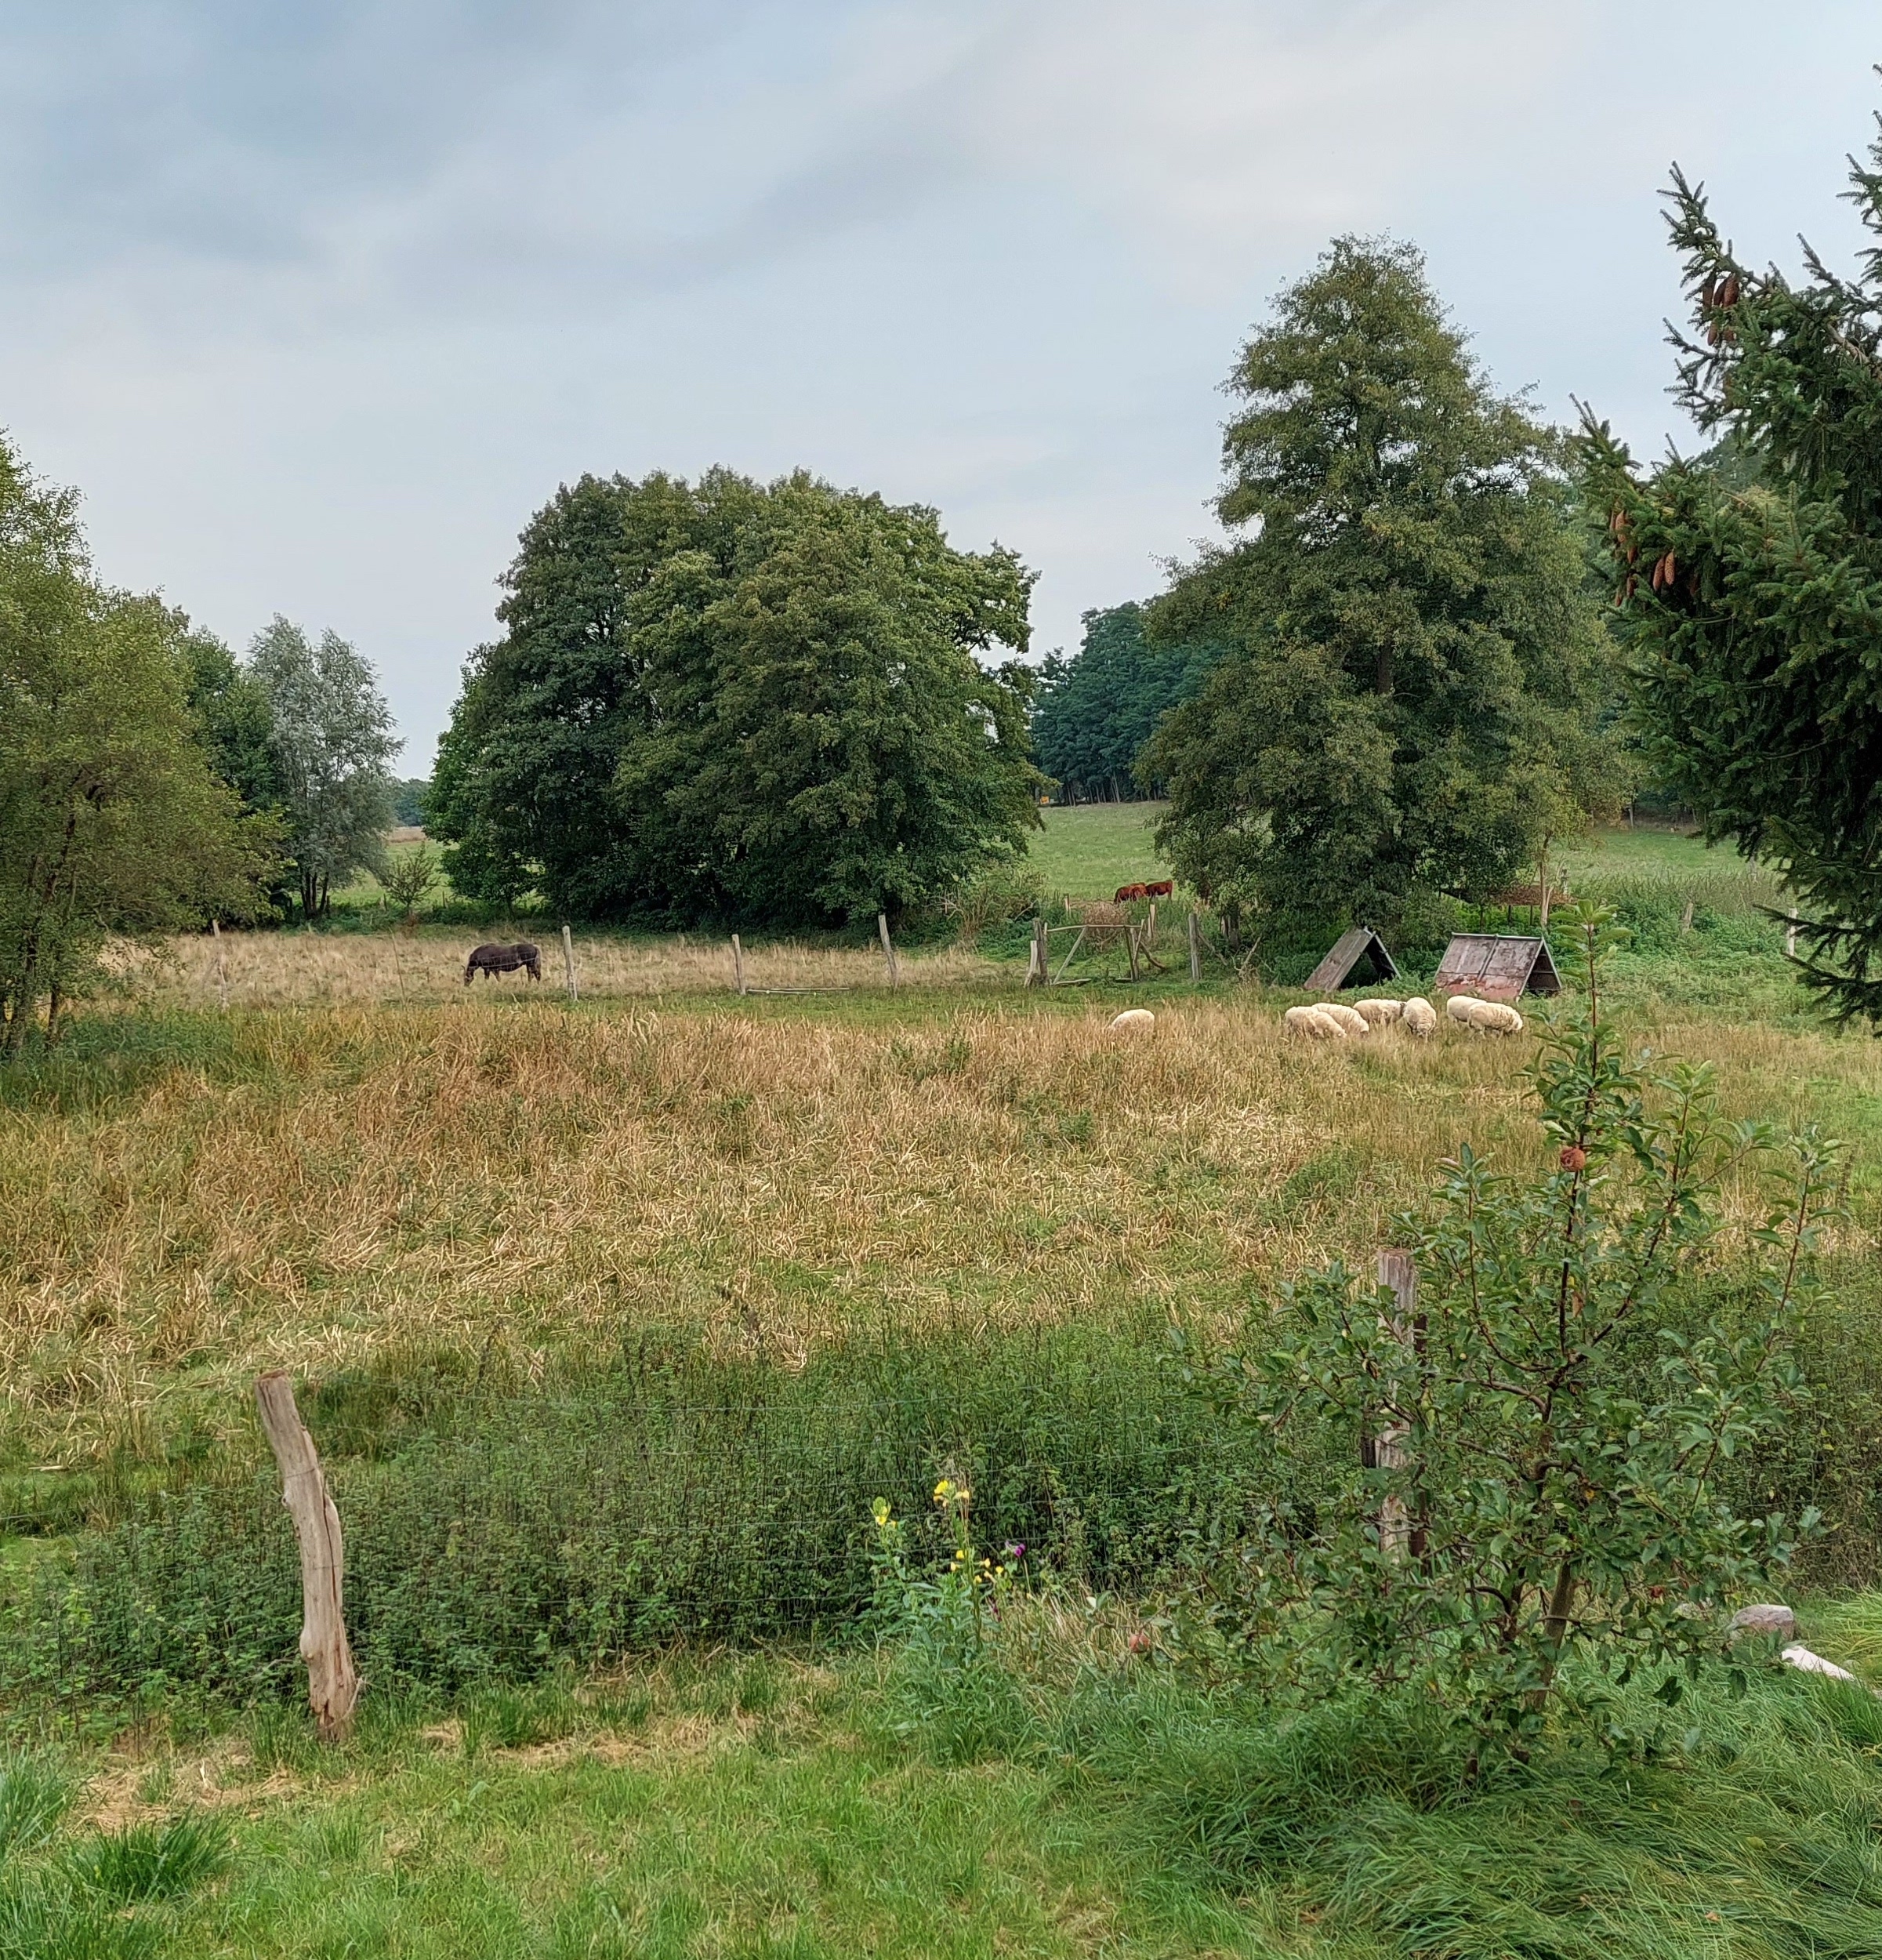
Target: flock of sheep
{"x": 1333, "y": 1020}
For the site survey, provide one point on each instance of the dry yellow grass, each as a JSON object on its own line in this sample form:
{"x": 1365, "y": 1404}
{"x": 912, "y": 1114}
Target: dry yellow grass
{"x": 516, "y": 1176}
{"x": 300, "y": 969}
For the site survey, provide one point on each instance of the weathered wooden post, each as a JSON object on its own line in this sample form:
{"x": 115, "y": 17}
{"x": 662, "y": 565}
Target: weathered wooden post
{"x": 738, "y": 965}
{"x": 888, "y": 948}
{"x": 1790, "y": 938}
{"x": 1195, "y": 952}
{"x": 222, "y": 968}
{"x": 1036, "y": 958}
{"x": 1150, "y": 937}
{"x": 1400, "y": 1276}
{"x": 568, "y": 964}
{"x": 333, "y": 1687}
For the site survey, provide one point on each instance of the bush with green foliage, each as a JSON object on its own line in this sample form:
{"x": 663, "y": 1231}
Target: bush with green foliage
{"x": 1543, "y": 1465}
{"x": 1417, "y": 678}
{"x": 729, "y": 699}
{"x": 489, "y": 1533}
{"x": 1096, "y": 711}
{"x": 409, "y": 879}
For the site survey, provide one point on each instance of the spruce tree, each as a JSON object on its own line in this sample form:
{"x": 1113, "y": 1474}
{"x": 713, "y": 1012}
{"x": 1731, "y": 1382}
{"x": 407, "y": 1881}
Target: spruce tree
{"x": 1750, "y": 597}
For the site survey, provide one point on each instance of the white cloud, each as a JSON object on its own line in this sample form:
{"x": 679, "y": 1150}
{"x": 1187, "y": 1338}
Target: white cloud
{"x": 317, "y": 302}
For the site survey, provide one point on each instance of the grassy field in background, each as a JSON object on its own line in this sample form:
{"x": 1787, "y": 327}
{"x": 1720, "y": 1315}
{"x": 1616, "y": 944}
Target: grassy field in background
{"x": 1087, "y": 850}
{"x": 373, "y": 1176}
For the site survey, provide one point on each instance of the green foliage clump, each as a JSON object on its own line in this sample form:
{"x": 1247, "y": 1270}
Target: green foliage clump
{"x": 1416, "y": 676}
{"x": 733, "y": 699}
{"x": 1747, "y": 1821}
{"x": 112, "y": 823}
{"x": 1545, "y": 1464}
{"x": 409, "y": 879}
{"x": 675, "y": 1496}
{"x": 1749, "y": 582}
{"x": 1096, "y": 711}
{"x": 146, "y": 1861}
{"x": 331, "y": 744}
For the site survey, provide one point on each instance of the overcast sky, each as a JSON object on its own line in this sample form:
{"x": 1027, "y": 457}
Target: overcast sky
{"x": 316, "y": 303}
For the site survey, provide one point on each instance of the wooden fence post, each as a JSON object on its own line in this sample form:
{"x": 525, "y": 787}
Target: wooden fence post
{"x": 1036, "y": 956}
{"x": 333, "y": 1687}
{"x": 738, "y": 965}
{"x": 222, "y": 968}
{"x": 568, "y": 964}
{"x": 1790, "y": 938}
{"x": 1400, "y": 1276}
{"x": 1195, "y": 952}
{"x": 888, "y": 948}
{"x": 1150, "y": 938}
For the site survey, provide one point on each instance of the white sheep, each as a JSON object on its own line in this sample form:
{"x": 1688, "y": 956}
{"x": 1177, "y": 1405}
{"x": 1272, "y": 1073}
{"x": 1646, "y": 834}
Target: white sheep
{"x": 1134, "y": 1020}
{"x": 1351, "y": 1021}
{"x": 1487, "y": 1017}
{"x": 1316, "y": 1023}
{"x": 1419, "y": 1017}
{"x": 1379, "y": 1013}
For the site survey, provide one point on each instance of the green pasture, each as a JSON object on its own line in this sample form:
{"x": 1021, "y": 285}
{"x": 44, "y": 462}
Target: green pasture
{"x": 1087, "y": 850}
{"x": 758, "y": 1778}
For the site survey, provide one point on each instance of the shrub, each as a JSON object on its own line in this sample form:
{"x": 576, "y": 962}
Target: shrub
{"x": 1532, "y": 1480}
{"x": 672, "y": 1496}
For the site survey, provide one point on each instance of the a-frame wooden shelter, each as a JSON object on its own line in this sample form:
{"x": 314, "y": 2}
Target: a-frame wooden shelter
{"x": 1362, "y": 946}
{"x": 1496, "y": 966}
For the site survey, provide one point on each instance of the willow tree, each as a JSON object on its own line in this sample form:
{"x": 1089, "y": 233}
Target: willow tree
{"x": 1412, "y": 694}
{"x": 1749, "y": 597}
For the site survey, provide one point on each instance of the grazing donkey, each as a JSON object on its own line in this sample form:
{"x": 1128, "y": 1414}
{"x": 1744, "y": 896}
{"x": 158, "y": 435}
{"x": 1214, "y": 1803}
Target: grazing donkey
{"x": 491, "y": 960}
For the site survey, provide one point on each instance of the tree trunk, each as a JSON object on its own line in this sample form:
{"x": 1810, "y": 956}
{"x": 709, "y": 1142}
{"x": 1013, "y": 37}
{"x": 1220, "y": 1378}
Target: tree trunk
{"x": 333, "y": 1687}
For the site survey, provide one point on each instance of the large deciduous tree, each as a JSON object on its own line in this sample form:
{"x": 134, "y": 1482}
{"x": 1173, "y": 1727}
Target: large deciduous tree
{"x": 735, "y": 699}
{"x": 1749, "y": 595}
{"x": 113, "y": 824}
{"x": 331, "y": 744}
{"x": 1416, "y": 670}
{"x": 1097, "y": 710}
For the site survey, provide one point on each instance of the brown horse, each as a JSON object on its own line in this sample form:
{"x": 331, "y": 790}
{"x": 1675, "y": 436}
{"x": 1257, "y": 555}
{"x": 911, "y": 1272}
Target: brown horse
{"x": 491, "y": 960}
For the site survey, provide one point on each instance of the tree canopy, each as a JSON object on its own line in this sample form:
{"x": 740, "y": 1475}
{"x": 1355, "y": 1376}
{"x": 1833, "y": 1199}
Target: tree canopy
{"x": 1749, "y": 597}
{"x": 733, "y": 699}
{"x": 1096, "y": 711}
{"x": 1413, "y": 693}
{"x": 329, "y": 746}
{"x": 112, "y": 822}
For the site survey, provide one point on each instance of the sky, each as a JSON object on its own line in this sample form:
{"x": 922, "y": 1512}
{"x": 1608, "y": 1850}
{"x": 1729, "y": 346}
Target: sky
{"x": 316, "y": 304}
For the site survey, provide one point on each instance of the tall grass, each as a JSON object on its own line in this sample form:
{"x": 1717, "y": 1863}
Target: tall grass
{"x": 184, "y": 1200}
{"x": 1748, "y": 1826}
{"x": 302, "y": 969}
